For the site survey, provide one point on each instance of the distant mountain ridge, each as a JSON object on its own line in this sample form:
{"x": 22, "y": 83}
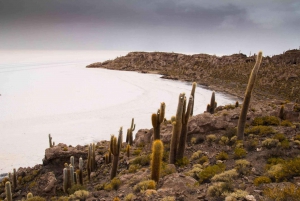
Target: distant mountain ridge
{"x": 279, "y": 75}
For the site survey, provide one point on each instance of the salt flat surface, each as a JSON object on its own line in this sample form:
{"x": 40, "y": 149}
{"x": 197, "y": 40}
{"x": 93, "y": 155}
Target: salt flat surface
{"x": 46, "y": 92}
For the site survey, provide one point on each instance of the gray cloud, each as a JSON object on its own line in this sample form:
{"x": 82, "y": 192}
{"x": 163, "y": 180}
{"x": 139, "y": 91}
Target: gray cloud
{"x": 221, "y": 27}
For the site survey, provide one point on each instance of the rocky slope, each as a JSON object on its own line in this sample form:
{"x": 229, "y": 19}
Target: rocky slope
{"x": 212, "y": 149}
{"x": 279, "y": 75}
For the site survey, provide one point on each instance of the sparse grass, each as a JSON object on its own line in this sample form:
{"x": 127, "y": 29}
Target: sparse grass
{"x": 261, "y": 180}
{"x": 266, "y": 121}
{"x": 210, "y": 171}
{"x": 222, "y": 156}
{"x": 286, "y": 123}
{"x": 259, "y": 130}
{"x": 239, "y": 153}
{"x": 287, "y": 192}
{"x": 144, "y": 185}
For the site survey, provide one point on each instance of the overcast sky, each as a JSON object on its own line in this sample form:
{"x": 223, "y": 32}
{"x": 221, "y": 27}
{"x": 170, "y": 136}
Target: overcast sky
{"x": 188, "y": 26}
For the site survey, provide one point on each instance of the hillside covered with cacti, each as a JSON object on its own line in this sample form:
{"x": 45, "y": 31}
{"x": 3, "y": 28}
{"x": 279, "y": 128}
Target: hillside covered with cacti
{"x": 245, "y": 152}
{"x": 279, "y": 75}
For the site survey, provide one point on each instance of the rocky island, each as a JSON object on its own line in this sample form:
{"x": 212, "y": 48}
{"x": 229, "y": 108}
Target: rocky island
{"x": 215, "y": 164}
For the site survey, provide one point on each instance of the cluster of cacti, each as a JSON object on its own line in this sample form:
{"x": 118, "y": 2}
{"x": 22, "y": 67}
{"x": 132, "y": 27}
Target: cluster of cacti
{"x": 180, "y": 128}
{"x": 157, "y": 155}
{"x": 245, "y": 106}
{"x": 157, "y": 119}
{"x": 8, "y": 191}
{"x": 213, "y": 104}
{"x": 115, "y": 147}
{"x": 91, "y": 164}
{"x": 51, "y": 144}
{"x": 129, "y": 138}
{"x": 194, "y": 85}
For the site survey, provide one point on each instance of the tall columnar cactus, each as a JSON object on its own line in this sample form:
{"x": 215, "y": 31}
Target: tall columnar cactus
{"x": 157, "y": 155}
{"x": 14, "y": 179}
{"x": 115, "y": 147}
{"x": 245, "y": 106}
{"x": 128, "y": 150}
{"x": 212, "y": 103}
{"x": 72, "y": 174}
{"x": 194, "y": 85}
{"x": 91, "y": 159}
{"x": 67, "y": 179}
{"x": 281, "y": 113}
{"x": 129, "y": 138}
{"x": 80, "y": 172}
{"x": 184, "y": 128}
{"x": 72, "y": 161}
{"x": 50, "y": 141}
{"x": 157, "y": 119}
{"x": 177, "y": 125}
{"x": 8, "y": 191}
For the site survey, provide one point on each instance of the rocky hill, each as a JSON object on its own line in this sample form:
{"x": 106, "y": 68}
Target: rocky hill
{"x": 279, "y": 75}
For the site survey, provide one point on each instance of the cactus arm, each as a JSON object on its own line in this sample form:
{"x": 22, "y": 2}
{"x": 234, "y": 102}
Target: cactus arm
{"x": 248, "y": 93}
{"x": 194, "y": 85}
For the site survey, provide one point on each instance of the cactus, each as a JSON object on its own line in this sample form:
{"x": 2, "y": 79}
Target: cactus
{"x": 50, "y": 141}
{"x": 115, "y": 147}
{"x": 14, "y": 180}
{"x": 184, "y": 128}
{"x": 129, "y": 138}
{"x": 245, "y": 106}
{"x": 72, "y": 161}
{"x": 208, "y": 108}
{"x": 212, "y": 103}
{"x": 80, "y": 175}
{"x": 8, "y": 191}
{"x": 128, "y": 150}
{"x": 157, "y": 119}
{"x": 281, "y": 113}
{"x": 29, "y": 195}
{"x": 177, "y": 125}
{"x": 157, "y": 155}
{"x": 66, "y": 179}
{"x": 194, "y": 85}
{"x": 91, "y": 160}
{"x": 72, "y": 174}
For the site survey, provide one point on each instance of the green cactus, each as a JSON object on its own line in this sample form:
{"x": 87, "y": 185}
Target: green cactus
{"x": 157, "y": 155}
{"x": 91, "y": 159}
{"x": 66, "y": 179}
{"x": 72, "y": 174}
{"x": 184, "y": 128}
{"x": 50, "y": 141}
{"x": 177, "y": 125}
{"x": 157, "y": 119}
{"x": 8, "y": 191}
{"x": 115, "y": 147}
{"x": 80, "y": 174}
{"x": 128, "y": 150}
{"x": 212, "y": 103}
{"x": 245, "y": 106}
{"x": 14, "y": 180}
{"x": 29, "y": 195}
{"x": 194, "y": 85}
{"x": 129, "y": 138}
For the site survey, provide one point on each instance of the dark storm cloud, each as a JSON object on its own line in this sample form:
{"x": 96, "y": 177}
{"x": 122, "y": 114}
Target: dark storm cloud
{"x": 163, "y": 25}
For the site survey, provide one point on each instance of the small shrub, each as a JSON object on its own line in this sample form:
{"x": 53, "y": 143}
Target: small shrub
{"x": 229, "y": 107}
{"x": 251, "y": 144}
{"x": 116, "y": 199}
{"x": 270, "y": 143}
{"x": 288, "y": 192}
{"x": 65, "y": 149}
{"x": 280, "y": 137}
{"x": 297, "y": 137}
{"x": 266, "y": 121}
{"x": 285, "y": 144}
{"x": 203, "y": 159}
{"x": 210, "y": 171}
{"x": 286, "y": 123}
{"x": 239, "y": 153}
{"x": 81, "y": 195}
{"x": 36, "y": 198}
{"x": 196, "y": 155}
{"x": 211, "y": 138}
{"x": 242, "y": 166}
{"x": 225, "y": 176}
{"x": 130, "y": 197}
{"x": 233, "y": 140}
{"x": 275, "y": 172}
{"x": 224, "y": 140}
{"x": 230, "y": 132}
{"x": 143, "y": 160}
{"x": 194, "y": 172}
{"x": 167, "y": 169}
{"x": 136, "y": 152}
{"x": 222, "y": 156}
{"x": 261, "y": 180}
{"x": 76, "y": 187}
{"x": 144, "y": 185}
{"x": 168, "y": 198}
{"x": 237, "y": 195}
{"x": 113, "y": 185}
{"x": 193, "y": 140}
{"x": 134, "y": 168}
{"x": 259, "y": 130}
{"x": 217, "y": 189}
{"x": 182, "y": 162}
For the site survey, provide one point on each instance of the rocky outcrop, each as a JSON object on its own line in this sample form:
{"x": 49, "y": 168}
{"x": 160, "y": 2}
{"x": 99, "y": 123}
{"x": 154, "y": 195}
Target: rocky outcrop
{"x": 279, "y": 75}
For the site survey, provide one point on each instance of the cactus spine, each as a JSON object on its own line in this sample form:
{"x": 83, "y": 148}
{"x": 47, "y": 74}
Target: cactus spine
{"x": 115, "y": 147}
{"x": 157, "y": 155}
{"x": 8, "y": 191}
{"x": 129, "y": 138}
{"x": 80, "y": 174}
{"x": 185, "y": 118}
{"x": 245, "y": 106}
{"x": 157, "y": 119}
{"x": 194, "y": 85}
{"x": 177, "y": 125}
{"x": 14, "y": 179}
